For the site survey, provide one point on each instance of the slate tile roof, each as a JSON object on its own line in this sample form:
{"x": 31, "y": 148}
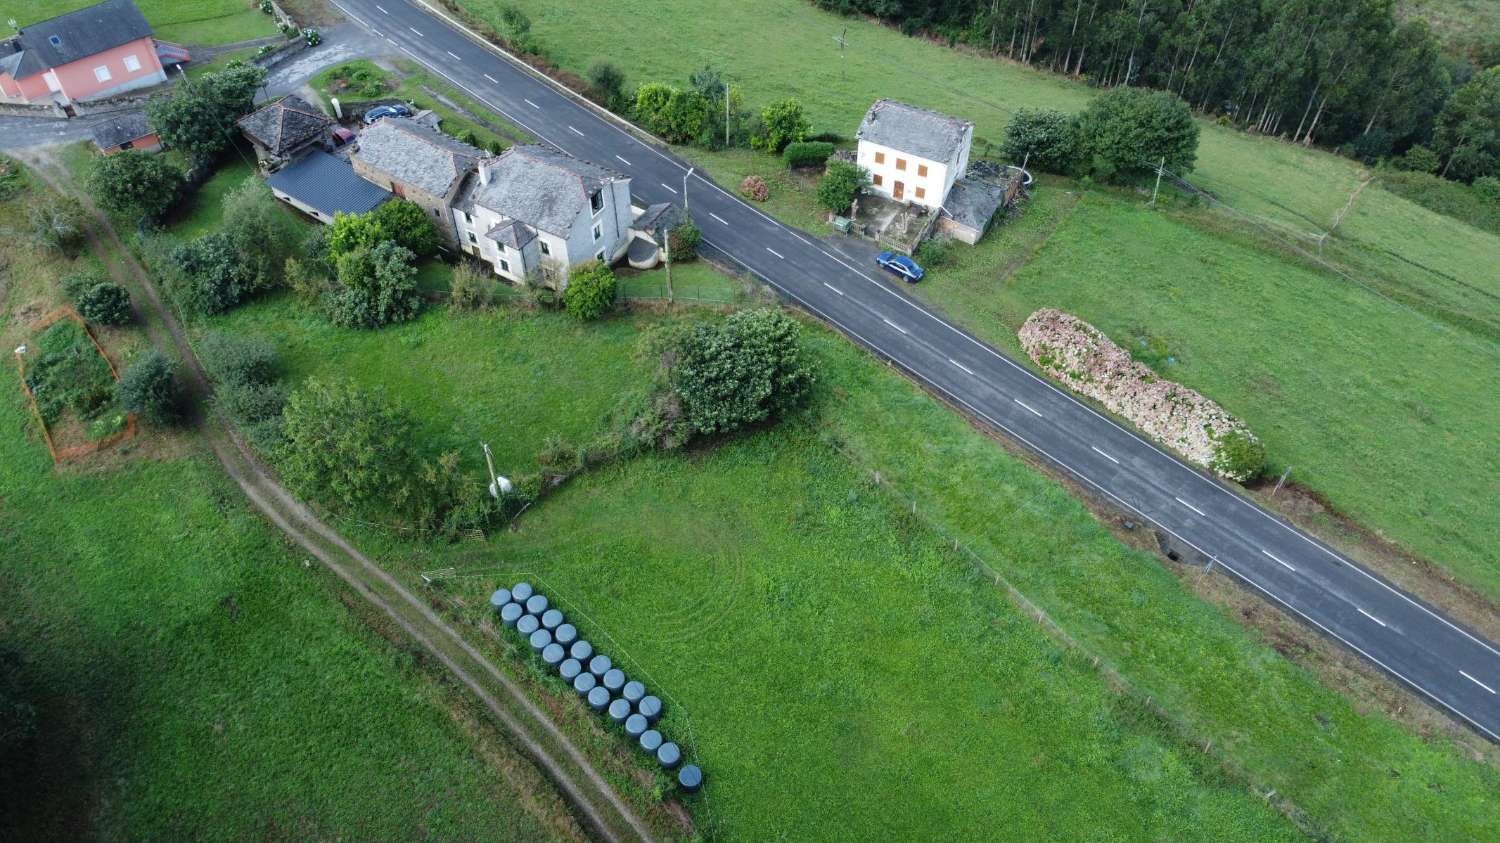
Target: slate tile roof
{"x": 121, "y": 128}
{"x": 658, "y": 216}
{"x": 541, "y": 187}
{"x": 79, "y": 34}
{"x": 416, "y": 155}
{"x": 923, "y": 133}
{"x": 513, "y": 234}
{"x": 329, "y": 184}
{"x": 973, "y": 203}
{"x": 285, "y": 124}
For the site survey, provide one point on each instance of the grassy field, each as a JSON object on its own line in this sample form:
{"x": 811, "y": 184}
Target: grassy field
{"x": 194, "y": 678}
{"x": 1405, "y": 418}
{"x": 191, "y": 22}
{"x": 1459, "y": 24}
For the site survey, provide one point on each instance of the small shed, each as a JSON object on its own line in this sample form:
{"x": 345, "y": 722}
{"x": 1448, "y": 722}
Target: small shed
{"x": 130, "y": 130}
{"x": 971, "y": 205}
{"x": 320, "y": 185}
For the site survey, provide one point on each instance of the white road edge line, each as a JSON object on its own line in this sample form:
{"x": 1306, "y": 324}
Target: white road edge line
{"x": 966, "y": 369}
{"x": 715, "y": 216}
{"x": 575, "y": 131}
{"x": 1190, "y": 506}
{"x": 1106, "y": 456}
{"x": 893, "y": 324}
{"x": 774, "y": 252}
{"x": 418, "y": 31}
{"x": 833, "y": 288}
{"x": 492, "y": 79}
{"x": 532, "y": 104}
{"x": 1277, "y": 560}
{"x": 1465, "y": 674}
{"x": 1370, "y": 616}
{"x": 623, "y": 161}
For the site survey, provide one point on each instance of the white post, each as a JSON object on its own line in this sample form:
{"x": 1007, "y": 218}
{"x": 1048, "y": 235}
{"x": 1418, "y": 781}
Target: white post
{"x": 685, "y": 178}
{"x": 1159, "y": 168}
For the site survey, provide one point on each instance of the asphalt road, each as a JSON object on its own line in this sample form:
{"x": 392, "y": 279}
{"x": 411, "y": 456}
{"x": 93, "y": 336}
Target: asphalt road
{"x": 1453, "y": 667}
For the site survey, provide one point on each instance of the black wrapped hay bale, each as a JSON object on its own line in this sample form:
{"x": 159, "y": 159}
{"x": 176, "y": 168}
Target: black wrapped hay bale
{"x": 552, "y": 655}
{"x": 540, "y": 639}
{"x": 650, "y": 740}
{"x": 536, "y": 604}
{"x": 521, "y": 592}
{"x": 633, "y": 691}
{"x": 619, "y": 710}
{"x": 581, "y": 650}
{"x": 499, "y": 599}
{"x": 598, "y": 698}
{"x": 613, "y": 679}
{"x": 635, "y": 725}
{"x": 668, "y": 756}
{"x": 569, "y": 669}
{"x": 527, "y": 624}
{"x": 552, "y": 619}
{"x": 600, "y": 665}
{"x": 565, "y": 634}
{"x": 650, "y": 708}
{"x": 584, "y": 683}
{"x": 690, "y": 778}
{"x": 510, "y": 613}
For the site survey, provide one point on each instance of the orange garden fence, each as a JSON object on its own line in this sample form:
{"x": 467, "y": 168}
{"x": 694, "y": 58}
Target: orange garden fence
{"x": 72, "y": 452}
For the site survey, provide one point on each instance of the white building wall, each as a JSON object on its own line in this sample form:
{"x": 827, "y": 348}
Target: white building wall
{"x": 934, "y": 185}
{"x": 554, "y": 254}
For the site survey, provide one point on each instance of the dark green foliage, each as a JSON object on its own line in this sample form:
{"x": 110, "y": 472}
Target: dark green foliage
{"x": 59, "y": 224}
{"x": 1126, "y": 132}
{"x": 198, "y": 116}
{"x": 516, "y": 27}
{"x": 840, "y": 184}
{"x": 136, "y": 184}
{"x": 1467, "y": 135}
{"x": 359, "y": 81}
{"x": 232, "y": 358}
{"x": 76, "y": 284}
{"x": 1371, "y": 146}
{"x": 740, "y": 371}
{"x": 806, "y": 154}
{"x": 244, "y": 371}
{"x": 678, "y": 116}
{"x": 683, "y": 240}
{"x": 473, "y": 288}
{"x": 398, "y": 220}
{"x": 782, "y": 122}
{"x": 18, "y": 719}
{"x": 106, "y": 303}
{"x": 1044, "y": 138}
{"x": 1419, "y": 159}
{"x": 1488, "y": 189}
{"x": 937, "y": 254}
{"x": 376, "y": 287}
{"x": 67, "y": 373}
{"x": 346, "y": 446}
{"x": 1460, "y": 201}
{"x": 149, "y": 389}
{"x": 1239, "y": 456}
{"x": 210, "y": 278}
{"x": 607, "y": 81}
{"x": 590, "y": 292}
{"x": 256, "y": 225}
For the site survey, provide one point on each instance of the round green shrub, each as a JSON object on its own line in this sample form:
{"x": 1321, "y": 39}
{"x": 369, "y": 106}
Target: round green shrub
{"x": 1488, "y": 188}
{"x": 590, "y": 292}
{"x": 1239, "y": 456}
{"x": 1044, "y": 138}
{"x": 149, "y": 389}
{"x": 106, "y": 303}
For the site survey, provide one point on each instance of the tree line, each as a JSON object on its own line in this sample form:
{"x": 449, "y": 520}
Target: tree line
{"x": 1342, "y": 73}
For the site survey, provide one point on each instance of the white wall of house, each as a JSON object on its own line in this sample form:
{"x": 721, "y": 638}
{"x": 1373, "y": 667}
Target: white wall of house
{"x": 910, "y": 178}
{"x": 550, "y": 254}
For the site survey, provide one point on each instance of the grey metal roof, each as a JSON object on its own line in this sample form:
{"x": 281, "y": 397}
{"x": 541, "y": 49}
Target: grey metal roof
{"x": 79, "y": 34}
{"x": 416, "y": 155}
{"x": 973, "y": 203}
{"x": 121, "y": 128}
{"x": 328, "y": 184}
{"x": 513, "y": 234}
{"x": 285, "y": 124}
{"x": 921, "y": 132}
{"x": 658, "y": 216}
{"x": 541, "y": 187}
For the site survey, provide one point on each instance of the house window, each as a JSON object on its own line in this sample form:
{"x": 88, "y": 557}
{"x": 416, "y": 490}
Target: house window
{"x": 101, "y": 73}
{"x": 468, "y": 219}
{"x": 878, "y": 180}
{"x": 596, "y": 202}
{"x": 504, "y": 265}
{"x": 545, "y": 249}
{"x": 921, "y": 193}
{"x": 437, "y": 213}
{"x": 472, "y": 238}
{"x": 598, "y": 231}
{"x": 880, "y": 158}
{"x": 128, "y": 145}
{"x": 900, "y": 163}
{"x": 132, "y": 63}
{"x": 54, "y": 40}
{"x": 599, "y": 257}
{"x": 921, "y": 169}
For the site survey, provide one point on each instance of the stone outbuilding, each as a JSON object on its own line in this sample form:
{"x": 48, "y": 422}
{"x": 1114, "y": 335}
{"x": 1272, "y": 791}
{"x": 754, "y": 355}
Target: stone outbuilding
{"x": 418, "y": 163}
{"x": 130, "y": 130}
{"x": 285, "y": 130}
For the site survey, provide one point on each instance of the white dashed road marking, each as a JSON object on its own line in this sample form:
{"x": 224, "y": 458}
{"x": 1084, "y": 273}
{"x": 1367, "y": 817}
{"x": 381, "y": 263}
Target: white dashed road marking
{"x": 623, "y": 161}
{"x": 418, "y": 31}
{"x": 893, "y": 324}
{"x": 1189, "y": 506}
{"x": 833, "y": 288}
{"x": 453, "y": 54}
{"x": 715, "y": 216}
{"x": 1028, "y": 407}
{"x": 774, "y": 252}
{"x": 966, "y": 369}
{"x": 530, "y": 103}
{"x": 1278, "y": 561}
{"x": 1465, "y": 674}
{"x": 575, "y": 131}
{"x": 1370, "y": 616}
{"x": 492, "y": 79}
{"x": 382, "y": 9}
{"x": 1106, "y": 456}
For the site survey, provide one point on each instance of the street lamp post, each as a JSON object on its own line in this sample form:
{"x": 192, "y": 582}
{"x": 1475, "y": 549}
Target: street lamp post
{"x": 685, "y": 177}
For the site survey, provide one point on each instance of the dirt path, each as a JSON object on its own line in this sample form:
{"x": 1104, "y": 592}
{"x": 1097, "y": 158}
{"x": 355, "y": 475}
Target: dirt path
{"x": 596, "y": 802}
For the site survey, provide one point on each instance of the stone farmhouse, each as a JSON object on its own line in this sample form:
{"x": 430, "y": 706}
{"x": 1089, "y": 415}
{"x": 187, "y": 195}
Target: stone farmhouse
{"x": 417, "y": 163}
{"x": 93, "y": 52}
{"x": 285, "y": 130}
{"x": 913, "y": 155}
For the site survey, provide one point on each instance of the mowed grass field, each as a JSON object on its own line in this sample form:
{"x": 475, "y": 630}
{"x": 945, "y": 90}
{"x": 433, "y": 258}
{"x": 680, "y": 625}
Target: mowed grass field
{"x": 192, "y": 22}
{"x": 1347, "y": 386}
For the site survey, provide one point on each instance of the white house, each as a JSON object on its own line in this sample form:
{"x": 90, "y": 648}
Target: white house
{"x": 913, "y": 155}
{"x": 534, "y": 213}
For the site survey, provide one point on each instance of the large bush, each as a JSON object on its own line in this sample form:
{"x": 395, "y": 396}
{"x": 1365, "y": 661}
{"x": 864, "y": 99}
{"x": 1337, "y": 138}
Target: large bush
{"x": 346, "y": 446}
{"x": 840, "y": 184}
{"x": 591, "y": 291}
{"x": 1127, "y": 132}
{"x": 232, "y": 358}
{"x": 399, "y": 220}
{"x": 244, "y": 371}
{"x": 473, "y": 288}
{"x": 1046, "y": 139}
{"x": 741, "y": 371}
{"x": 1239, "y": 456}
{"x": 106, "y": 303}
{"x": 135, "y": 183}
{"x": 257, "y": 228}
{"x": 806, "y": 154}
{"x": 683, "y": 241}
{"x": 58, "y": 223}
{"x": 149, "y": 389}
{"x": 755, "y": 187}
{"x": 677, "y": 115}
{"x": 1488, "y": 189}
{"x": 376, "y": 287}
{"x": 782, "y": 122}
{"x": 209, "y": 277}
{"x": 198, "y": 115}
{"x": 1419, "y": 159}
{"x": 607, "y": 81}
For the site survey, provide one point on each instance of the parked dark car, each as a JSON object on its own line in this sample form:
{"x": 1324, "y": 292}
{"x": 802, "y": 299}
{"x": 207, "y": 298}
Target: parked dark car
{"x": 343, "y": 136}
{"x": 379, "y": 111}
{"x": 901, "y": 266}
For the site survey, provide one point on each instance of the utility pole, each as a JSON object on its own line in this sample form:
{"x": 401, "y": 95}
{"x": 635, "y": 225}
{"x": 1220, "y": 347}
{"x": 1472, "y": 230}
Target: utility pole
{"x": 666, "y": 245}
{"x": 726, "y": 115}
{"x": 842, "y": 41}
{"x": 1155, "y": 190}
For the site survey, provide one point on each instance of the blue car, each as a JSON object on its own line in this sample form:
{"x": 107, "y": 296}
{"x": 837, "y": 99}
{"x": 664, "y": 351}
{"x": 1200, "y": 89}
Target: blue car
{"x": 397, "y": 110}
{"x": 901, "y": 266}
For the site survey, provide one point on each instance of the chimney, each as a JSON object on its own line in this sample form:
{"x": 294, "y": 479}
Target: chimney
{"x": 484, "y": 173}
